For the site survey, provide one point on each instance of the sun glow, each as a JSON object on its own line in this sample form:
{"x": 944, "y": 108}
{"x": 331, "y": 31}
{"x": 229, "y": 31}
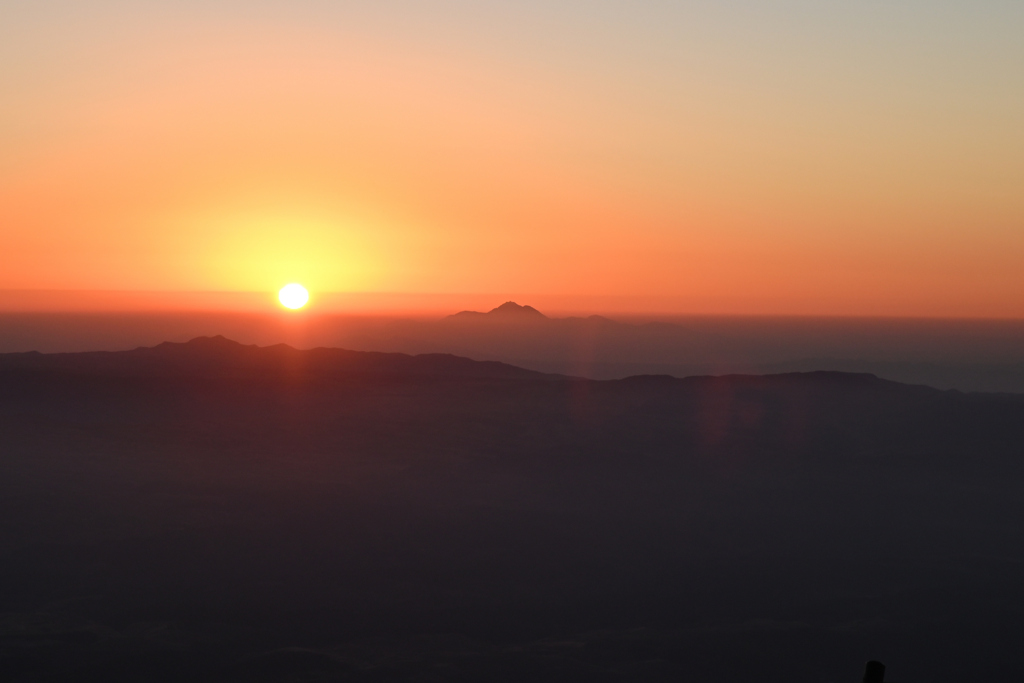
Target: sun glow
{"x": 293, "y": 296}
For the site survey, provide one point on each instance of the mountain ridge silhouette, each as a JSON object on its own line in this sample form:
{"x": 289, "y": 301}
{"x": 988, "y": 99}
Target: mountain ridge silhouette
{"x": 211, "y": 355}
{"x": 218, "y": 353}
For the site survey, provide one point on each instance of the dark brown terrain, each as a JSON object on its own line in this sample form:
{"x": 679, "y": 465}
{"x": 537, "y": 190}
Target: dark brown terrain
{"x": 216, "y": 512}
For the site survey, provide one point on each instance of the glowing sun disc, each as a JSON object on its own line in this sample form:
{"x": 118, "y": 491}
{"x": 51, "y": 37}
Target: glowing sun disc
{"x": 293, "y": 296}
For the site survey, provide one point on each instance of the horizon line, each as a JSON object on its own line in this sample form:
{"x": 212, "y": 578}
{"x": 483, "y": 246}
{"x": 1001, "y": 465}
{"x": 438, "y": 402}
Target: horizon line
{"x": 429, "y": 304}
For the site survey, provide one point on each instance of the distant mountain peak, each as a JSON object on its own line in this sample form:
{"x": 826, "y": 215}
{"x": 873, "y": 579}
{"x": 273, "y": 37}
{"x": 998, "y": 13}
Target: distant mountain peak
{"x": 205, "y": 346}
{"x": 217, "y": 340}
{"x": 512, "y": 308}
{"x": 508, "y": 312}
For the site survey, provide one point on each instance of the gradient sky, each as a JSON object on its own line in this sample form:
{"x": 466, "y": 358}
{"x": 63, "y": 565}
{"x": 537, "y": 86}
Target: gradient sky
{"x": 736, "y": 156}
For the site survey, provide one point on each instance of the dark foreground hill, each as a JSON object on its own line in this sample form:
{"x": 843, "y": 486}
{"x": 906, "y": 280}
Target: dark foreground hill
{"x": 214, "y": 512}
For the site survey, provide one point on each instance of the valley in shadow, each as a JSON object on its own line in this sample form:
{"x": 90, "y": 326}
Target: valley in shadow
{"x": 210, "y": 511}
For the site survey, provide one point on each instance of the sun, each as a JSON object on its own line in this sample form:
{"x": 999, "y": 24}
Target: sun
{"x": 293, "y": 296}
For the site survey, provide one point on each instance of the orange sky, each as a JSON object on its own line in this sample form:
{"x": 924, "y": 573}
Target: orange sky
{"x": 693, "y": 159}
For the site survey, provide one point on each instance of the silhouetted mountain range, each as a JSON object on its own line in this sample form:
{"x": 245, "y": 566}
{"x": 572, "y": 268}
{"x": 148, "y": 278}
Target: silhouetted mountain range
{"x": 970, "y": 355}
{"x": 211, "y": 511}
{"x": 215, "y": 356}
